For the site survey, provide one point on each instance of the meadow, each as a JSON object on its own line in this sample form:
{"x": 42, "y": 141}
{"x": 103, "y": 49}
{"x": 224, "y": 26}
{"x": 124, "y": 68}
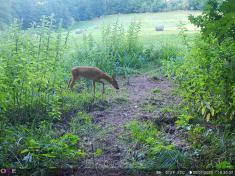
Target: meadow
{"x": 148, "y": 21}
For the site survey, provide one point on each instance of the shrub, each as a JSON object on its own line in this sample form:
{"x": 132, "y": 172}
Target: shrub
{"x": 38, "y": 146}
{"x": 206, "y": 79}
{"x": 31, "y": 71}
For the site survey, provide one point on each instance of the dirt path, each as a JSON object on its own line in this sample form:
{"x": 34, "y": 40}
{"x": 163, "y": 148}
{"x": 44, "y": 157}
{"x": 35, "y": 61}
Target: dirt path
{"x": 139, "y": 92}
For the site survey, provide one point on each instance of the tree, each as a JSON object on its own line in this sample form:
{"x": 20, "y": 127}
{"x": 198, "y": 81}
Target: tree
{"x": 32, "y": 10}
{"x": 196, "y": 4}
{"x": 218, "y": 19}
{"x": 5, "y": 12}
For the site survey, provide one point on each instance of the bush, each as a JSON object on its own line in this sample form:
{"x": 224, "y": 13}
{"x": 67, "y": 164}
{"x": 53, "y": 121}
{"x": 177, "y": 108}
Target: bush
{"x": 33, "y": 97}
{"x": 31, "y": 71}
{"x": 206, "y": 79}
{"x": 38, "y": 146}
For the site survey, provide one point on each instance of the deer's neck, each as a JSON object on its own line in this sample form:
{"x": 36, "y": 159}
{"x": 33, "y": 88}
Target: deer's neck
{"x": 108, "y": 78}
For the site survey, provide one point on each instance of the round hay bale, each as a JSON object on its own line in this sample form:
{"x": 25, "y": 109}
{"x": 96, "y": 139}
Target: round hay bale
{"x": 79, "y": 31}
{"x": 159, "y": 27}
{"x": 96, "y": 27}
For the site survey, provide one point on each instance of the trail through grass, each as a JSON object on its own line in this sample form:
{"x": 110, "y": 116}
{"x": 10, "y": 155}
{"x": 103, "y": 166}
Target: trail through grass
{"x": 116, "y": 151}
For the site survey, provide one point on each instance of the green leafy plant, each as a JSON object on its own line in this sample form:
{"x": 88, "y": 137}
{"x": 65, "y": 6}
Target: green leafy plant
{"x": 153, "y": 152}
{"x": 61, "y": 149}
{"x": 156, "y": 90}
{"x": 183, "y": 121}
{"x": 224, "y": 165}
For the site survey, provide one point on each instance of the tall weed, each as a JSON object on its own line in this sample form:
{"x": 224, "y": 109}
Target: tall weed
{"x": 31, "y": 71}
{"x": 118, "y": 51}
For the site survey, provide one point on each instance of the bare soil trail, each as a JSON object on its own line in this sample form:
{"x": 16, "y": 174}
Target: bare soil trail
{"x": 138, "y": 93}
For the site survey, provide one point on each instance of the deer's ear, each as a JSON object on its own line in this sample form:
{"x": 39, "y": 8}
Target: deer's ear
{"x": 114, "y": 76}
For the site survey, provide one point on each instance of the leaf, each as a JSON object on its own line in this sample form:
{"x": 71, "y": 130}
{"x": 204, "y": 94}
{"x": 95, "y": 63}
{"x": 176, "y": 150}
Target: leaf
{"x": 33, "y": 144}
{"x": 169, "y": 147}
{"x": 80, "y": 153}
{"x": 208, "y": 117}
{"x": 156, "y": 149}
{"x": 98, "y": 152}
{"x": 212, "y": 112}
{"x": 48, "y": 155}
{"x": 203, "y": 110}
{"x": 150, "y": 140}
{"x": 224, "y": 165}
{"x": 24, "y": 151}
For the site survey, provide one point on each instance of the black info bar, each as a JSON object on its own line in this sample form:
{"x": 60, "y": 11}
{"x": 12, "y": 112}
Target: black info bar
{"x": 111, "y": 172}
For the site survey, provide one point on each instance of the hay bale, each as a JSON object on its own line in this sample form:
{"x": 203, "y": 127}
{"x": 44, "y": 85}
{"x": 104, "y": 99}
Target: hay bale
{"x": 96, "y": 27}
{"x": 79, "y": 31}
{"x": 159, "y": 27}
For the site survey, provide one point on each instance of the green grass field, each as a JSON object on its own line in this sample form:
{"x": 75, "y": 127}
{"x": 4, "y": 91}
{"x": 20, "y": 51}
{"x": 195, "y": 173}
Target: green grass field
{"x": 148, "y": 35}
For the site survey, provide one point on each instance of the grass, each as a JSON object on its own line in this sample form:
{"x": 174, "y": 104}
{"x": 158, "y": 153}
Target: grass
{"x": 156, "y": 90}
{"x": 148, "y": 35}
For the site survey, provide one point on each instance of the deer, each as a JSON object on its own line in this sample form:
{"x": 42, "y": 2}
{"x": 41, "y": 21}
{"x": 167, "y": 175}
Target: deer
{"x": 91, "y": 73}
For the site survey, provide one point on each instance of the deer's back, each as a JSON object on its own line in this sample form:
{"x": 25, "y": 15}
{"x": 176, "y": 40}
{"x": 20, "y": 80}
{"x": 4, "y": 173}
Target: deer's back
{"x": 92, "y": 73}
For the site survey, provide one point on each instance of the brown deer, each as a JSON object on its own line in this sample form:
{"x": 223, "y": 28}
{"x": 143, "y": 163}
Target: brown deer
{"x": 91, "y": 73}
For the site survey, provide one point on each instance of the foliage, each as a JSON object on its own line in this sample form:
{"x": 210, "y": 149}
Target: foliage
{"x": 25, "y": 57}
{"x": 34, "y": 96}
{"x": 196, "y": 4}
{"x": 152, "y": 152}
{"x": 217, "y": 27}
{"x": 205, "y": 67}
{"x": 224, "y": 165}
{"x": 156, "y": 90}
{"x": 183, "y": 121}
{"x": 81, "y": 124}
{"x": 171, "y": 57}
{"x": 212, "y": 148}
{"x": 38, "y": 147}
{"x": 84, "y": 100}
{"x": 217, "y": 19}
{"x": 76, "y": 10}
{"x": 62, "y": 149}
{"x": 205, "y": 75}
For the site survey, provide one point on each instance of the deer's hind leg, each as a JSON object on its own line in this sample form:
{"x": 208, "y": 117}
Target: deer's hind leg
{"x": 94, "y": 86}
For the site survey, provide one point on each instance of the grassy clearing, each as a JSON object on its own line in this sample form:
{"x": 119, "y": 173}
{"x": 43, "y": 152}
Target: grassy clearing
{"x": 148, "y": 35}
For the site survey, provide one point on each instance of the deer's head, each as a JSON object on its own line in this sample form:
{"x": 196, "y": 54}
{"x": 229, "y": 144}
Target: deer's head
{"x": 114, "y": 81}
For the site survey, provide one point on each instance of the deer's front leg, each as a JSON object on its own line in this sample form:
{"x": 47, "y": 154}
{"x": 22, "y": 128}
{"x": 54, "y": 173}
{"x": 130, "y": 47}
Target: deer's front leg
{"x": 102, "y": 84}
{"x": 72, "y": 82}
{"x": 69, "y": 83}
